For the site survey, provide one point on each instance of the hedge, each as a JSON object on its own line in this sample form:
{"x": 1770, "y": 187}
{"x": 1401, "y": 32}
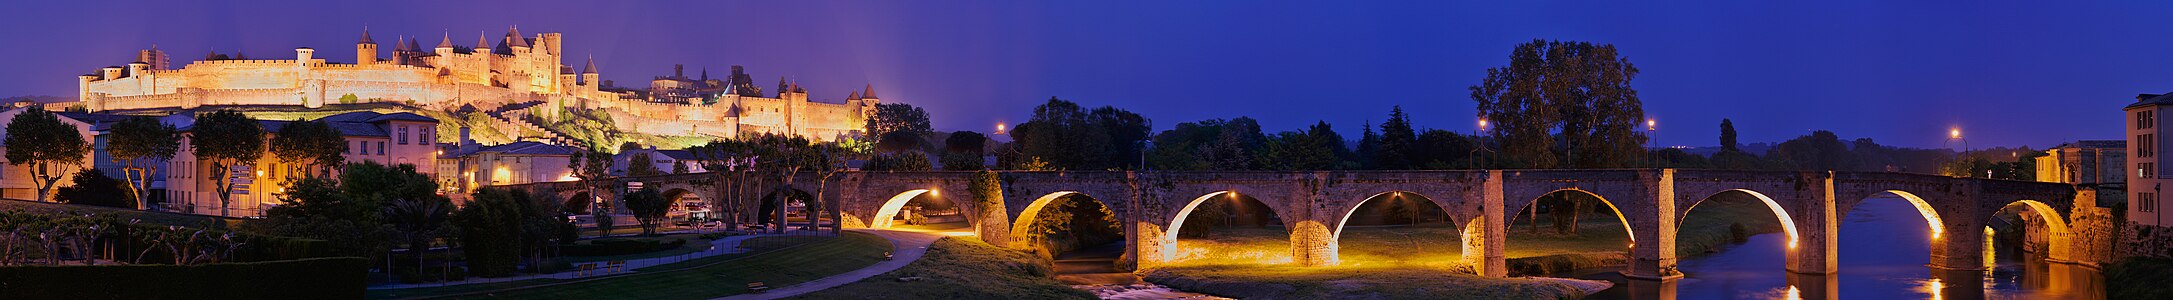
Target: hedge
{"x": 609, "y": 247}
{"x": 315, "y": 278}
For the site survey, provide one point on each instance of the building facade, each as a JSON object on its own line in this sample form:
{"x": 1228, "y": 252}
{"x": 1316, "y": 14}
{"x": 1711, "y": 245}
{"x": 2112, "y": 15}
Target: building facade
{"x": 470, "y": 166}
{"x": 391, "y": 139}
{"x": 512, "y": 69}
{"x": 16, "y": 181}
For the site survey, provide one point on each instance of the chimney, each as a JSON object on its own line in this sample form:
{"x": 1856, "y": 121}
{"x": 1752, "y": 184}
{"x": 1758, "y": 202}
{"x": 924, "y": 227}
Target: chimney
{"x": 467, "y": 144}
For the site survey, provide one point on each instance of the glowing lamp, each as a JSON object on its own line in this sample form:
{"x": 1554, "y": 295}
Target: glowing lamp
{"x": 1955, "y": 133}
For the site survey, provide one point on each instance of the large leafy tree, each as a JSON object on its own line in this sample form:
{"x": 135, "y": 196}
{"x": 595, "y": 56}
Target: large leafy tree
{"x": 649, "y": 207}
{"x": 490, "y": 232}
{"x": 311, "y": 147}
{"x": 93, "y": 187}
{"x": 962, "y": 151}
{"x": 640, "y": 163}
{"x": 1577, "y": 93}
{"x": 1819, "y": 151}
{"x": 142, "y": 144}
{"x": 51, "y": 147}
{"x": 418, "y": 221}
{"x": 1727, "y": 136}
{"x": 1068, "y": 136}
{"x": 592, "y": 167}
{"x": 732, "y": 161}
{"x": 226, "y": 139}
{"x": 897, "y": 117}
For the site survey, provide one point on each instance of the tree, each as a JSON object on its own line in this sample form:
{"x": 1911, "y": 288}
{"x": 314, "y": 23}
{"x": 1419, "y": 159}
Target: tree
{"x": 50, "y": 146}
{"x": 142, "y": 144}
{"x": 962, "y": 151}
{"x": 910, "y": 160}
{"x": 649, "y": 207}
{"x": 591, "y": 167}
{"x": 1369, "y": 148}
{"x": 1819, "y": 151}
{"x": 1577, "y": 93}
{"x": 228, "y": 141}
{"x": 640, "y": 163}
{"x": 1068, "y": 136}
{"x": 93, "y": 187}
{"x": 490, "y": 232}
{"x": 1727, "y": 136}
{"x": 309, "y": 147}
{"x": 1398, "y": 142}
{"x": 1440, "y": 149}
{"x": 897, "y": 117}
{"x": 418, "y": 221}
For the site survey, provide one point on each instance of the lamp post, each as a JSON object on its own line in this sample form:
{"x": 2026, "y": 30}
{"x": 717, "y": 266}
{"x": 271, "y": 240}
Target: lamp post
{"x": 1478, "y": 139}
{"x": 1652, "y": 128}
{"x": 1954, "y": 135}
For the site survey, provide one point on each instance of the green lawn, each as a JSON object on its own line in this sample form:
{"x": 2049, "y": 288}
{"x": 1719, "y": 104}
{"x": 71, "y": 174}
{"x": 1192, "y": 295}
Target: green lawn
{"x": 704, "y": 278}
{"x": 961, "y": 268}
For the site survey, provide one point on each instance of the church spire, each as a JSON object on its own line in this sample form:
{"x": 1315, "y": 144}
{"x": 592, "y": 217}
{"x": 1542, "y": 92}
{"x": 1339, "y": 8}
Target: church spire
{"x": 869, "y": 93}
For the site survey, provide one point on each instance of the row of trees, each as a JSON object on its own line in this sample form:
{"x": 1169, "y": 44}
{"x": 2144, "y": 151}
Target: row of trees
{"x": 225, "y": 140}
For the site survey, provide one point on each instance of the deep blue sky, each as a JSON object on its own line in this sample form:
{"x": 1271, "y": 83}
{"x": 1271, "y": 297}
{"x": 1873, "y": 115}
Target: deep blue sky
{"x": 1901, "y": 73}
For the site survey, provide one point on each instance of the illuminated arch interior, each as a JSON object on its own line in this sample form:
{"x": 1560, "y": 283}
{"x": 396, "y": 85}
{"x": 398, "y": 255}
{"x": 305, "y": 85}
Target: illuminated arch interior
{"x": 890, "y": 208}
{"x": 1033, "y": 211}
{"x": 1337, "y": 235}
{"x": 1788, "y": 224}
{"x": 1169, "y": 239}
{"x": 1619, "y": 217}
{"x": 1931, "y": 217}
{"x": 2053, "y": 223}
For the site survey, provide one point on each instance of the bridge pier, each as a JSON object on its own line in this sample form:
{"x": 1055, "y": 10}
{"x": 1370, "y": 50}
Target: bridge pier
{"x": 1486, "y": 235}
{"x": 1815, "y": 252}
{"x": 1652, "y": 246}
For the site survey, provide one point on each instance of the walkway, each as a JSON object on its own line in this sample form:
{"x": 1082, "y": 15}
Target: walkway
{"x": 726, "y": 245}
{"x": 907, "y": 246}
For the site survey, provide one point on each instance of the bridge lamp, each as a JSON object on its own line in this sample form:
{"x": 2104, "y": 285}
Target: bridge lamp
{"x": 934, "y": 193}
{"x": 1651, "y": 124}
{"x": 1954, "y": 133}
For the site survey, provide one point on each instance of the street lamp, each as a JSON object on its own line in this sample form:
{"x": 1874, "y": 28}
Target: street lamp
{"x": 1478, "y": 138}
{"x": 1652, "y": 128}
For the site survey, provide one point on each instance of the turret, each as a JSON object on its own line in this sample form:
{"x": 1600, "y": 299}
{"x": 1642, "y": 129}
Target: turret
{"x": 482, "y": 43}
{"x": 302, "y": 56}
{"x": 515, "y": 42}
{"x": 400, "y": 50}
{"x": 110, "y": 72}
{"x": 588, "y": 73}
{"x": 366, "y": 50}
{"x": 83, "y": 86}
{"x": 868, "y": 94}
{"x": 445, "y": 46}
{"x": 137, "y": 69}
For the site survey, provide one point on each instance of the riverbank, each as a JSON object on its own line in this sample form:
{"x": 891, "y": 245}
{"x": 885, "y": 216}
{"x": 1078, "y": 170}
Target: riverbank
{"x": 2139, "y": 278}
{"x": 961, "y": 268}
{"x": 1357, "y": 282}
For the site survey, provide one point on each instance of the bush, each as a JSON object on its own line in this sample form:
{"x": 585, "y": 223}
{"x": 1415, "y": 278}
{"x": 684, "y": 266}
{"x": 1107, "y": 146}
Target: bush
{"x": 316, "y": 278}
{"x": 609, "y": 247}
{"x": 93, "y": 187}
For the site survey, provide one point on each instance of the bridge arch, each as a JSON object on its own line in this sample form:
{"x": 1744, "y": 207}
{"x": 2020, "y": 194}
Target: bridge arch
{"x": 1021, "y": 235}
{"x": 1170, "y": 252}
{"x": 1788, "y": 222}
{"x": 1532, "y": 203}
{"x": 884, "y": 216}
{"x": 1931, "y": 215}
{"x": 2054, "y": 229}
{"x": 1335, "y": 236}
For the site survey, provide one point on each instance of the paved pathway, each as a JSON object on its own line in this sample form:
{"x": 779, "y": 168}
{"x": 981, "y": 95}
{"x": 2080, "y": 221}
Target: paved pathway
{"x": 906, "y": 246}
{"x": 726, "y": 245}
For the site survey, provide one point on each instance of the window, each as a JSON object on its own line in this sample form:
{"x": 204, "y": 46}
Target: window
{"x": 2146, "y": 145}
{"x": 2146, "y": 202}
{"x": 403, "y": 135}
{"x": 2145, "y": 119}
{"x": 380, "y": 148}
{"x": 362, "y": 147}
{"x": 426, "y": 138}
{"x": 2147, "y": 170}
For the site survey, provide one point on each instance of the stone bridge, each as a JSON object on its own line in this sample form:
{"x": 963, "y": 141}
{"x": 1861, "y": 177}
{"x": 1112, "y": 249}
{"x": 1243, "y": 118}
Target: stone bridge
{"x": 1314, "y": 204}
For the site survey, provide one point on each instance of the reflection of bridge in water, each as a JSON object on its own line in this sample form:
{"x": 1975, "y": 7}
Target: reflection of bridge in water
{"x": 1313, "y": 205}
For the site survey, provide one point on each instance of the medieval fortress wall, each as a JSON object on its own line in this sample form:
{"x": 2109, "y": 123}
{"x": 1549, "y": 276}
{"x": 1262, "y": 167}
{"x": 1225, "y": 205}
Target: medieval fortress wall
{"x": 519, "y": 69}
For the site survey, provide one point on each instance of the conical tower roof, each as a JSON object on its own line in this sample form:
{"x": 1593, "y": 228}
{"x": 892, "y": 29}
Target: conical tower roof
{"x": 415, "y": 44}
{"x": 366, "y": 36}
{"x": 591, "y": 67}
{"x": 447, "y": 42}
{"x": 868, "y": 93}
{"x": 482, "y": 40}
{"x": 854, "y": 95}
{"x": 513, "y": 37}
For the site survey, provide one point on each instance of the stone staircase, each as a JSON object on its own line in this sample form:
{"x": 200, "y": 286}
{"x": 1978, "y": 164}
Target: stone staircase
{"x": 513, "y": 116}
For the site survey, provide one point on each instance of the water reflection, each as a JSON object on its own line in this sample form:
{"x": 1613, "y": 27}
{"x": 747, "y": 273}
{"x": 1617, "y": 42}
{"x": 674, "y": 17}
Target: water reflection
{"x": 1884, "y": 250}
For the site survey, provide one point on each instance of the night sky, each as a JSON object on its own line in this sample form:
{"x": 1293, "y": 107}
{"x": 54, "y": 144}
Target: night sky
{"x": 1901, "y": 73}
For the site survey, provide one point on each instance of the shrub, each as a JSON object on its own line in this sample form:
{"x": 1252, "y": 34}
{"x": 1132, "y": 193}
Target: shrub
{"x": 93, "y": 187}
{"x": 609, "y": 247}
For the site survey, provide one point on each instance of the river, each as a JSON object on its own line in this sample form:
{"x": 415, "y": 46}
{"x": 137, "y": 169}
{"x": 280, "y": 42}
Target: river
{"x": 1884, "y": 254}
